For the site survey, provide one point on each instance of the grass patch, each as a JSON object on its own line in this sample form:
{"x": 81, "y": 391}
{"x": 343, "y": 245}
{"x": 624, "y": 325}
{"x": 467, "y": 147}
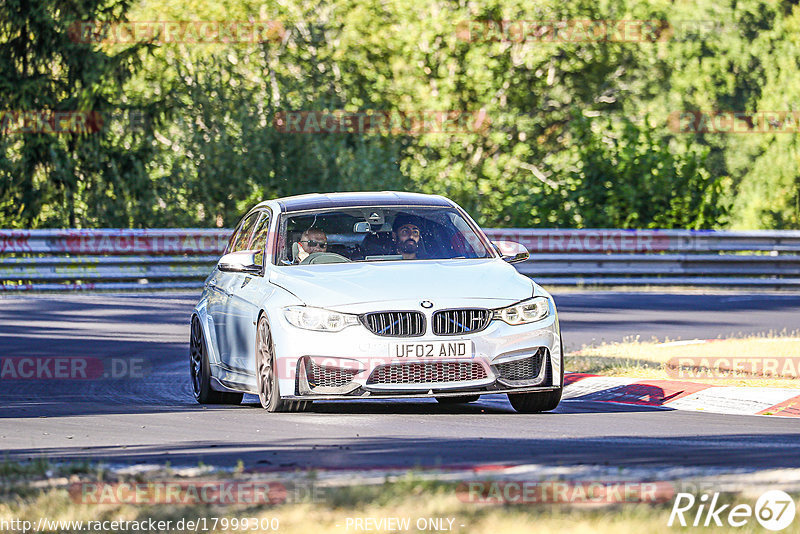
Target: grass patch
{"x": 770, "y": 360}
{"x": 14, "y": 472}
{"x": 328, "y": 512}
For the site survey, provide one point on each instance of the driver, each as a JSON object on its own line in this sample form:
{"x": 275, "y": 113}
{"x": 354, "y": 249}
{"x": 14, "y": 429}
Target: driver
{"x": 312, "y": 240}
{"x": 407, "y": 235}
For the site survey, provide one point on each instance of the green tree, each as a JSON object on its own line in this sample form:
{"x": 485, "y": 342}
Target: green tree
{"x": 580, "y": 132}
{"x": 82, "y": 177}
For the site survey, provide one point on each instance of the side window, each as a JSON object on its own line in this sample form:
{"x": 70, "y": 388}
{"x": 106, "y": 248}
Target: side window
{"x": 261, "y": 233}
{"x": 464, "y": 240}
{"x": 232, "y": 239}
{"x": 243, "y": 236}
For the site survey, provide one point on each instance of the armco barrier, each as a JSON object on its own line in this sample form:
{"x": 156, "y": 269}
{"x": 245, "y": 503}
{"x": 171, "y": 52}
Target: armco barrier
{"x": 108, "y": 259}
{"x": 182, "y": 258}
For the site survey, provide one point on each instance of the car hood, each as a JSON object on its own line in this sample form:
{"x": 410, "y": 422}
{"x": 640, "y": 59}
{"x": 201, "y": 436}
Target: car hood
{"x": 341, "y": 284}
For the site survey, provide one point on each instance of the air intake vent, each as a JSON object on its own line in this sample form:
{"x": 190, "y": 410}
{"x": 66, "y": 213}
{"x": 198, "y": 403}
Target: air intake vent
{"x": 523, "y": 369}
{"x": 455, "y": 322}
{"x": 395, "y": 323}
{"x": 323, "y": 376}
{"x": 427, "y": 373}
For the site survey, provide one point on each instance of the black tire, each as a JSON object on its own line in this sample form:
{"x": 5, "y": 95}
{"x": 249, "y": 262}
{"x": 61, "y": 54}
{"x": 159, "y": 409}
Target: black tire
{"x": 200, "y": 371}
{"x": 457, "y": 400}
{"x": 535, "y": 402}
{"x": 267, "y": 378}
{"x": 544, "y": 401}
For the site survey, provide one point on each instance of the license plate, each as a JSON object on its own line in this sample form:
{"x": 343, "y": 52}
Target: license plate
{"x": 432, "y": 349}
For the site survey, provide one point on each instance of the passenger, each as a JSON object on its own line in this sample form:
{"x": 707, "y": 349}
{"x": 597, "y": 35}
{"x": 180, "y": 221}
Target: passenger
{"x": 312, "y": 240}
{"x": 407, "y": 235}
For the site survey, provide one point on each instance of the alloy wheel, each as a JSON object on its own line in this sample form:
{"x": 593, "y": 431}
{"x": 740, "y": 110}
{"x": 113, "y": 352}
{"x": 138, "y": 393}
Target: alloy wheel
{"x": 196, "y": 357}
{"x": 265, "y": 369}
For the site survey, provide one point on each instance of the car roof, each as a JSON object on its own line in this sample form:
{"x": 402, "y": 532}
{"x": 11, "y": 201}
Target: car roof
{"x": 372, "y": 198}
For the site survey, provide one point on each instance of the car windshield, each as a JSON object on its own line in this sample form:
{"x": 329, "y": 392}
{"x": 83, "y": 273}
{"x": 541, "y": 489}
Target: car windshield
{"x": 377, "y": 234}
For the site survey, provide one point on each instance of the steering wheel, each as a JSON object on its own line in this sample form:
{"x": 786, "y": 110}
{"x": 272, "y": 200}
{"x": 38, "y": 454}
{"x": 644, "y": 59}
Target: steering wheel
{"x": 324, "y": 257}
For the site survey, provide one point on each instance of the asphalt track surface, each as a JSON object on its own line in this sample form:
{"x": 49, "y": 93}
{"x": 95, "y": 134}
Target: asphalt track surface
{"x": 153, "y": 419}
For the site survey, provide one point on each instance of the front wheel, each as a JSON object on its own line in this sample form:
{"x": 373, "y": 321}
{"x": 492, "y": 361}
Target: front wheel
{"x": 267, "y": 375}
{"x": 544, "y": 401}
{"x": 200, "y": 371}
{"x": 535, "y": 402}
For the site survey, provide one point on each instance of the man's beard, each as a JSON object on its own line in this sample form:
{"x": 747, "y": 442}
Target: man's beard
{"x": 409, "y": 246}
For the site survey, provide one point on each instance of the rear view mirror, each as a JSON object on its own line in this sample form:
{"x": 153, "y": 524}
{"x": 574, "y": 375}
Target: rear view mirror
{"x": 240, "y": 262}
{"x": 511, "y": 252}
{"x": 361, "y": 227}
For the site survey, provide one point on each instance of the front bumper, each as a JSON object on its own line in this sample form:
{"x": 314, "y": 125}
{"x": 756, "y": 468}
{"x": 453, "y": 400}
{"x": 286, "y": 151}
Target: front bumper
{"x": 331, "y": 382}
{"x": 355, "y": 363}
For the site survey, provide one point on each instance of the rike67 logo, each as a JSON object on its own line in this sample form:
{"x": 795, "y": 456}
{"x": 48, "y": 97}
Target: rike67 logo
{"x": 774, "y": 510}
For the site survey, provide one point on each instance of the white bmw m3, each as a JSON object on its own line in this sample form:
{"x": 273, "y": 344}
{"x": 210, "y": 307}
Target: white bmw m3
{"x": 372, "y": 295}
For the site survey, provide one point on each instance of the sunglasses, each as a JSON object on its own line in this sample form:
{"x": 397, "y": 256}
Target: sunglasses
{"x": 312, "y": 243}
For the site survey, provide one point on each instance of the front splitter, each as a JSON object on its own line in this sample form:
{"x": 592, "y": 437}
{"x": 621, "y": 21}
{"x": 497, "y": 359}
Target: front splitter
{"x": 426, "y": 395}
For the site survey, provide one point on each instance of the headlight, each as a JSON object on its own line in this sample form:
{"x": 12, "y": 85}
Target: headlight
{"x": 527, "y": 311}
{"x": 318, "y": 319}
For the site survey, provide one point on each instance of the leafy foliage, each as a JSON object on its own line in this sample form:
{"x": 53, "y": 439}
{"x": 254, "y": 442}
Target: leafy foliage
{"x": 89, "y": 176}
{"x": 579, "y": 133}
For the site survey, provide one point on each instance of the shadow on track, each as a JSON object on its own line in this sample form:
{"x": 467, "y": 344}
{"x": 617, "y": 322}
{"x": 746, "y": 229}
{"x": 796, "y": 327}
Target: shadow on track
{"x": 738, "y": 450}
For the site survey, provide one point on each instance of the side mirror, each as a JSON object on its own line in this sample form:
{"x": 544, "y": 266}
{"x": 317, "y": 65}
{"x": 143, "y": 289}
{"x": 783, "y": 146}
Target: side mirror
{"x": 511, "y": 252}
{"x": 240, "y": 262}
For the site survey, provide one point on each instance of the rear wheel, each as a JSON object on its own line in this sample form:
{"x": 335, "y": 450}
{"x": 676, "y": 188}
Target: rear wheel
{"x": 544, "y": 401}
{"x": 457, "y": 400}
{"x": 200, "y": 370}
{"x": 267, "y": 376}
